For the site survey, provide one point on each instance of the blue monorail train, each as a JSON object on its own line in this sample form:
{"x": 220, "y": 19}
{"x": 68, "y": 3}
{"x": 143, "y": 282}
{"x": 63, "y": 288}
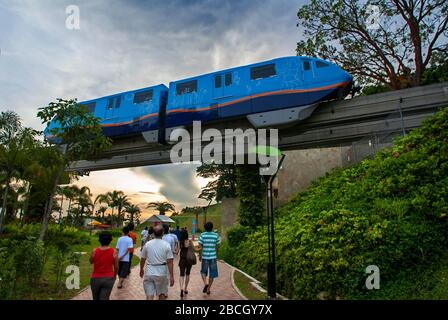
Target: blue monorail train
{"x": 270, "y": 93}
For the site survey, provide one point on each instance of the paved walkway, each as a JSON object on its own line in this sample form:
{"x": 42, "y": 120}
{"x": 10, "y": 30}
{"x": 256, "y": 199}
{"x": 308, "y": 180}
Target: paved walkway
{"x": 222, "y": 288}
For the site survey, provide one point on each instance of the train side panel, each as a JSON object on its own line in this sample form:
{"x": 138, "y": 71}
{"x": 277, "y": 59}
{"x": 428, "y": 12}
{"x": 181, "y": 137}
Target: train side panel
{"x": 277, "y": 84}
{"x": 127, "y": 113}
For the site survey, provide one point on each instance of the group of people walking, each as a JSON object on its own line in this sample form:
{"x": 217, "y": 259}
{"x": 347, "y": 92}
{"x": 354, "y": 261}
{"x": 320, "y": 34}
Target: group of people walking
{"x": 159, "y": 247}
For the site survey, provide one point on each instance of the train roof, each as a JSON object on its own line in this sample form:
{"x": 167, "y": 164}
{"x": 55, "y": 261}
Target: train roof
{"x": 125, "y": 92}
{"x": 244, "y": 66}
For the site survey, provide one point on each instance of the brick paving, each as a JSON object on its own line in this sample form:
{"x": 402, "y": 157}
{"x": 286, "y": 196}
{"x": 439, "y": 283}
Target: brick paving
{"x": 222, "y": 288}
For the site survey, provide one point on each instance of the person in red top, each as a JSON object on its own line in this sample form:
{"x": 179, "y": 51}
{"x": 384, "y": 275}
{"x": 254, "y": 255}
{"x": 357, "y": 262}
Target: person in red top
{"x": 133, "y": 236}
{"x": 105, "y": 268}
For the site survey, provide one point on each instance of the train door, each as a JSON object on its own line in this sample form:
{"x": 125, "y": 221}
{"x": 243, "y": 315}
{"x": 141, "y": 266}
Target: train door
{"x": 112, "y": 108}
{"x": 228, "y": 82}
{"x": 218, "y": 88}
{"x": 307, "y": 72}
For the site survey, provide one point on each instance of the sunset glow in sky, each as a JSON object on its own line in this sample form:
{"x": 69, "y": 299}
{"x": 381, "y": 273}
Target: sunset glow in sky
{"x": 124, "y": 45}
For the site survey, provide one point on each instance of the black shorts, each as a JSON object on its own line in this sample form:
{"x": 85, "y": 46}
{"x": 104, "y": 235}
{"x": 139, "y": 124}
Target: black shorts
{"x": 123, "y": 269}
{"x": 184, "y": 267}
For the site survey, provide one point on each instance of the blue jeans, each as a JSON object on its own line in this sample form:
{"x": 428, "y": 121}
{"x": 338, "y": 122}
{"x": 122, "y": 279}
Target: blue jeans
{"x": 209, "y": 264}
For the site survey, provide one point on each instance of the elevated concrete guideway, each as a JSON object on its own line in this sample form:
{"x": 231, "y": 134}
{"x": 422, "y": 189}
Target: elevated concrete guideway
{"x": 335, "y": 123}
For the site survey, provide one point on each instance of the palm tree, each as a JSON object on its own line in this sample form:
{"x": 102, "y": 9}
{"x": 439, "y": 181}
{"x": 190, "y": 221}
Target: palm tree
{"x": 161, "y": 206}
{"x": 101, "y": 211}
{"x": 84, "y": 201}
{"x": 15, "y": 145}
{"x": 102, "y": 198}
{"x": 134, "y": 212}
{"x": 113, "y": 196}
{"x": 70, "y": 193}
{"x": 122, "y": 202}
{"x": 114, "y": 199}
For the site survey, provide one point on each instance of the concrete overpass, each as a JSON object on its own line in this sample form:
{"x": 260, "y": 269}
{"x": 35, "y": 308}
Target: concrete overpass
{"x": 335, "y": 123}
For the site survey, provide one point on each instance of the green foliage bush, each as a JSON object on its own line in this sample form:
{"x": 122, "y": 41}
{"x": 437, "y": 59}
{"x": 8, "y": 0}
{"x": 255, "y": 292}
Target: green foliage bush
{"x": 390, "y": 211}
{"x": 22, "y": 265}
{"x": 7, "y": 274}
{"x": 237, "y": 235}
{"x": 57, "y": 236}
{"x": 23, "y": 256}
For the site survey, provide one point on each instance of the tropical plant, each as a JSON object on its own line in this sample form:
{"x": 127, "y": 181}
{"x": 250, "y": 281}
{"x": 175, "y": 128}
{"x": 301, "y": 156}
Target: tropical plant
{"x": 102, "y": 198}
{"x": 121, "y": 203}
{"x": 16, "y": 143}
{"x": 101, "y": 211}
{"x": 70, "y": 193}
{"x": 161, "y": 206}
{"x": 84, "y": 202}
{"x": 133, "y": 211}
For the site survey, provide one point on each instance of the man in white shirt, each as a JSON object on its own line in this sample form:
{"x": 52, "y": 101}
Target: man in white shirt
{"x": 124, "y": 247}
{"x": 155, "y": 257}
{"x": 144, "y": 236}
{"x": 171, "y": 239}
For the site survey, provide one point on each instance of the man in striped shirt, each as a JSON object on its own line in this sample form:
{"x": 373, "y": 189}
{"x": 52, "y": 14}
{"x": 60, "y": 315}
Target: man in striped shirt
{"x": 209, "y": 242}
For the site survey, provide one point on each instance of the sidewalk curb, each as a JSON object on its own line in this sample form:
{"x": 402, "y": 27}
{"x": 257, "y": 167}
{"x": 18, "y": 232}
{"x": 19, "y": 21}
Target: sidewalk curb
{"x": 255, "y": 283}
{"x": 232, "y": 279}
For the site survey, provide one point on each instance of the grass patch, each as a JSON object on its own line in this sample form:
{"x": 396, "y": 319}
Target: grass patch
{"x": 213, "y": 215}
{"x": 243, "y": 283}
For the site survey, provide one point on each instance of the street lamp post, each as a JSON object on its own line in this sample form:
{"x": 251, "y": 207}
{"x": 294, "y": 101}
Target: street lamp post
{"x": 269, "y": 179}
{"x": 271, "y": 271}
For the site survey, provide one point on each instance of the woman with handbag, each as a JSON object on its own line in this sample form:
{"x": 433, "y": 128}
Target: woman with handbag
{"x": 187, "y": 258}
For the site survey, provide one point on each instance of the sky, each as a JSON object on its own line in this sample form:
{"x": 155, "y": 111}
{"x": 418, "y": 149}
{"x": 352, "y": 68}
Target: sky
{"x": 125, "y": 45}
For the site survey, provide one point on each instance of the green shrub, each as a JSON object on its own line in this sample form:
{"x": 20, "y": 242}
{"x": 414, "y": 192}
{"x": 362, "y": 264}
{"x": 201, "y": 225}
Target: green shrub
{"x": 64, "y": 238}
{"x": 29, "y": 256}
{"x": 7, "y": 274}
{"x": 238, "y": 234}
{"x": 22, "y": 264}
{"x": 389, "y": 211}
{"x": 24, "y": 257}
{"x": 57, "y": 236}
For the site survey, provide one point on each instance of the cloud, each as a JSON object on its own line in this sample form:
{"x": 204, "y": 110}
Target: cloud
{"x": 124, "y": 45}
{"x": 178, "y": 183}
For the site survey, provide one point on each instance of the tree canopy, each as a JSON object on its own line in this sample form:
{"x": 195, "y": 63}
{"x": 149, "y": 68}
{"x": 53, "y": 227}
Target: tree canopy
{"x": 79, "y": 134}
{"x": 224, "y": 185}
{"x": 388, "y": 42}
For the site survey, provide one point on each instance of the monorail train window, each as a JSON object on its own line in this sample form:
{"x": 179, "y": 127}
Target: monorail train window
{"x": 110, "y": 103}
{"x": 186, "y": 87}
{"x": 90, "y": 107}
{"x": 306, "y": 65}
{"x": 143, "y": 96}
{"x": 263, "y": 71}
{"x": 117, "y": 102}
{"x": 321, "y": 64}
{"x": 218, "y": 81}
{"x": 228, "y": 79}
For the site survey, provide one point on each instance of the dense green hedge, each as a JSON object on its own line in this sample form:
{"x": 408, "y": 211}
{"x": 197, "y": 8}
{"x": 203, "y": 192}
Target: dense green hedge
{"x": 389, "y": 211}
